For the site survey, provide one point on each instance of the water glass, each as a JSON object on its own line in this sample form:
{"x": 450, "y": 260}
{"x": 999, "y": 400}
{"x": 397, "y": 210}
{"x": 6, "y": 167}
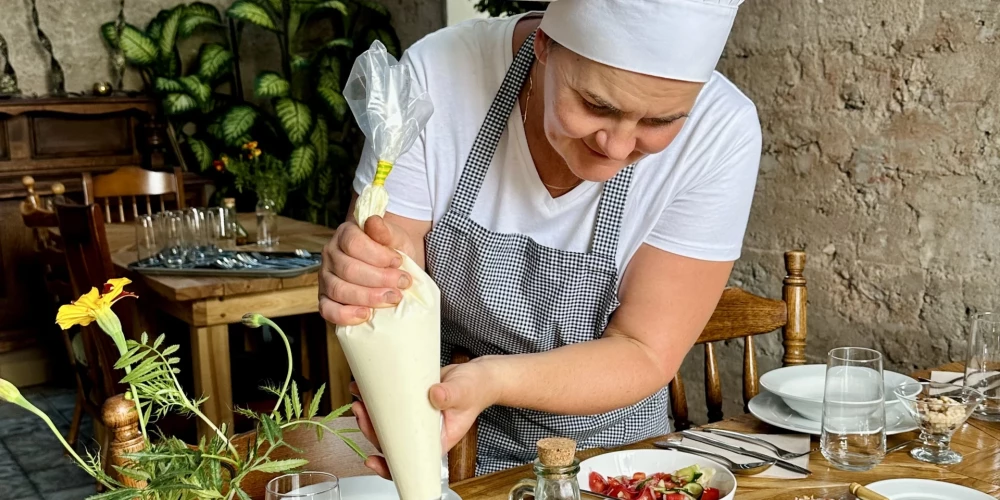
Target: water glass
{"x": 175, "y": 239}
{"x": 148, "y": 240}
{"x": 196, "y": 225}
{"x": 303, "y": 486}
{"x": 982, "y": 367}
{"x": 221, "y": 228}
{"x": 853, "y": 423}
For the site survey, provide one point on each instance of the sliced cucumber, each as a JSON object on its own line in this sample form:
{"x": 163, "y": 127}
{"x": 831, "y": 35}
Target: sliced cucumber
{"x": 693, "y": 489}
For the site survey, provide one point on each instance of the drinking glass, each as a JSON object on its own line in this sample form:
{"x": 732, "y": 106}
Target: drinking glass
{"x": 196, "y": 225}
{"x": 175, "y": 239}
{"x": 221, "y": 229}
{"x": 303, "y": 486}
{"x": 853, "y": 422}
{"x": 939, "y": 409}
{"x": 148, "y": 240}
{"x": 982, "y": 368}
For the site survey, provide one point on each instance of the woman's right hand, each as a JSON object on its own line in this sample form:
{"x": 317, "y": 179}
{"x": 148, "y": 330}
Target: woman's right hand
{"x": 361, "y": 271}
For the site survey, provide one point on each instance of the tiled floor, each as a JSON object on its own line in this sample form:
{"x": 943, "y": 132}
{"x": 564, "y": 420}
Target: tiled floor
{"x": 32, "y": 463}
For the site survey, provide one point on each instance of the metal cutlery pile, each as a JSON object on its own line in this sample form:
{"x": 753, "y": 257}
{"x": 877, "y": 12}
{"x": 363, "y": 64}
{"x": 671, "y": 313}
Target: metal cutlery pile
{"x": 257, "y": 260}
{"x": 744, "y": 469}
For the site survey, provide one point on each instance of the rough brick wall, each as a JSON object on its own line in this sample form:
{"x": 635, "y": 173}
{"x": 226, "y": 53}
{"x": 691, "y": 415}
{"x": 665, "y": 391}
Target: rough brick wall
{"x": 881, "y": 124}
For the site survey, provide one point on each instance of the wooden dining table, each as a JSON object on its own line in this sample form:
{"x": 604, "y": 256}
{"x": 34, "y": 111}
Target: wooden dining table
{"x": 977, "y": 441}
{"x": 209, "y": 304}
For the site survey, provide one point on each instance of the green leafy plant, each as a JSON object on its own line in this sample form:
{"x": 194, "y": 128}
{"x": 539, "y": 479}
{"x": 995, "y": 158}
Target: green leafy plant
{"x": 301, "y": 118}
{"x": 168, "y": 468}
{"x": 191, "y": 95}
{"x": 507, "y": 7}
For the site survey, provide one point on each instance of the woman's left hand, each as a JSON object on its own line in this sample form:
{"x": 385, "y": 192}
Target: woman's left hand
{"x": 464, "y": 392}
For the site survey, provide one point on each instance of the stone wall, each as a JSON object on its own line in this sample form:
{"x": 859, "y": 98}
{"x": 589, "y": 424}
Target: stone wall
{"x": 881, "y": 126}
{"x": 73, "y": 28}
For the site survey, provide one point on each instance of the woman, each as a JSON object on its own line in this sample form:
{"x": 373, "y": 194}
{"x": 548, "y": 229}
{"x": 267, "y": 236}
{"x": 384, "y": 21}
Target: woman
{"x": 581, "y": 222}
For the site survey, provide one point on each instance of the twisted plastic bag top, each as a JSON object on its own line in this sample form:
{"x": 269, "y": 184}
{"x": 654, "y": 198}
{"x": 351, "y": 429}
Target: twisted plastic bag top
{"x": 387, "y": 102}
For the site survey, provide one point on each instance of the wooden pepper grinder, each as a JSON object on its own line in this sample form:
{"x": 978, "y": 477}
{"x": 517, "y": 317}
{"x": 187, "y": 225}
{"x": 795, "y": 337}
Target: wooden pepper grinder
{"x": 555, "y": 472}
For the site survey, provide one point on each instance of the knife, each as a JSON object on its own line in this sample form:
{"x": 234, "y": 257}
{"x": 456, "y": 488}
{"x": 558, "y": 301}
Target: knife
{"x": 784, "y": 464}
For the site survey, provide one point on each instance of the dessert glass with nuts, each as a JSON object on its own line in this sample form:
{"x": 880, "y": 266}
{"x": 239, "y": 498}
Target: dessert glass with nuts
{"x": 940, "y": 409}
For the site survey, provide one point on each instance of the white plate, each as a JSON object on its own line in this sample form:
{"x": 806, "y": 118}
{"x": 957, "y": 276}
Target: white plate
{"x": 772, "y": 410}
{"x": 628, "y": 462}
{"x": 925, "y": 489}
{"x": 801, "y": 387}
{"x": 376, "y": 488}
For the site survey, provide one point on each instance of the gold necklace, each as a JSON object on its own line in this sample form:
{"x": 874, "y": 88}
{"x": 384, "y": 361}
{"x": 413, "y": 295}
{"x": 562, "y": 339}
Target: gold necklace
{"x": 524, "y": 120}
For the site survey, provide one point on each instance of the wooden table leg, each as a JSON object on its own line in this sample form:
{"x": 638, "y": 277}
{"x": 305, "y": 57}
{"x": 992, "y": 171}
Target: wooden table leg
{"x": 339, "y": 370}
{"x": 212, "y": 378}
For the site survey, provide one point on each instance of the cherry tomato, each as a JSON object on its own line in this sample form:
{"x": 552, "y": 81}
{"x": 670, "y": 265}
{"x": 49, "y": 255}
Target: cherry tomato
{"x": 710, "y": 494}
{"x": 638, "y": 476}
{"x": 597, "y": 483}
{"x": 675, "y": 496}
{"x": 647, "y": 493}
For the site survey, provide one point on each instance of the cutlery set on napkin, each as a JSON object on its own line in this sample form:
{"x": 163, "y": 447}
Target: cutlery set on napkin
{"x": 784, "y": 456}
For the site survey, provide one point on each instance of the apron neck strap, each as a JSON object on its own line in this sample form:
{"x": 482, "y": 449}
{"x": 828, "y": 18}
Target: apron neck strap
{"x": 613, "y": 196}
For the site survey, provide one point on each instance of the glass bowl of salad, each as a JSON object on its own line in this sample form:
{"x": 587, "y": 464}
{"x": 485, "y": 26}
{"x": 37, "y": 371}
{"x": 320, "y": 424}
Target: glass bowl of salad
{"x": 656, "y": 475}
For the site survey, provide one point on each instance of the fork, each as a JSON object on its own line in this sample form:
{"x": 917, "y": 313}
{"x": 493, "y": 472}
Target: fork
{"x": 781, "y": 452}
{"x": 740, "y": 469}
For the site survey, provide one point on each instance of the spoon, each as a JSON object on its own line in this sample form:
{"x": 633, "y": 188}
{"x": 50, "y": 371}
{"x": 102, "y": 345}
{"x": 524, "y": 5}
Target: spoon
{"x": 747, "y": 469}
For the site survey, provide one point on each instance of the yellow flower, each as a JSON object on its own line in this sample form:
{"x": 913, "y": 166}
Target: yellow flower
{"x": 255, "y": 152}
{"x": 92, "y": 304}
{"x": 250, "y": 145}
{"x": 225, "y": 160}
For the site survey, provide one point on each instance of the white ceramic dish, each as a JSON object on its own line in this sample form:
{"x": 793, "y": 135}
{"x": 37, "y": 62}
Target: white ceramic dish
{"x": 925, "y": 489}
{"x": 376, "y": 488}
{"x": 801, "y": 388}
{"x": 628, "y": 462}
{"x": 770, "y": 409}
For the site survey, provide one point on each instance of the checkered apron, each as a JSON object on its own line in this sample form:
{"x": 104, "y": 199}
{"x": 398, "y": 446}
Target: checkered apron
{"x": 506, "y": 294}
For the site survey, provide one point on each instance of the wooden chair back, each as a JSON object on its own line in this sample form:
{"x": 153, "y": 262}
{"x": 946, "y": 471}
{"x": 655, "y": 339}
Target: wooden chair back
{"x": 83, "y": 239}
{"x": 327, "y": 455}
{"x": 739, "y": 314}
{"x": 39, "y": 215}
{"x": 134, "y": 183}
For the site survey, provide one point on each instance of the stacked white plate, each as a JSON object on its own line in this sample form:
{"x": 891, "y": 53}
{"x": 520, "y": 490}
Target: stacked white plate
{"x": 793, "y": 399}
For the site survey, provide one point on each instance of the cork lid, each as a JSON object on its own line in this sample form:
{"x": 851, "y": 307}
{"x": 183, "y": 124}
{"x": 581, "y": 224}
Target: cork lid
{"x": 556, "y": 451}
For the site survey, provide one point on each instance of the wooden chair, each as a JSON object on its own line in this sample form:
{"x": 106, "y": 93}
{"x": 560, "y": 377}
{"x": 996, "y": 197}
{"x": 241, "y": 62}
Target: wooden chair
{"x": 40, "y": 216}
{"x": 134, "y": 182}
{"x": 739, "y": 314}
{"x": 82, "y": 237}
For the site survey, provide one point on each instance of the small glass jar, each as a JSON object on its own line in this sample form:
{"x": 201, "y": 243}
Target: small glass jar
{"x": 550, "y": 483}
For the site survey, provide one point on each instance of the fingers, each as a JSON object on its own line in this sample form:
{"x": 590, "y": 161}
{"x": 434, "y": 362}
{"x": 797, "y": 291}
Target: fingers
{"x": 354, "y": 242}
{"x": 379, "y": 465}
{"x": 361, "y": 273}
{"x": 365, "y": 424}
{"x": 347, "y": 293}
{"x": 386, "y": 234}
{"x": 340, "y": 314}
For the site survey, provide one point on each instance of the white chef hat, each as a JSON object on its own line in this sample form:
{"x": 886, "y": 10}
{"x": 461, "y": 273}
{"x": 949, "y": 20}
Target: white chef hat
{"x": 678, "y": 39}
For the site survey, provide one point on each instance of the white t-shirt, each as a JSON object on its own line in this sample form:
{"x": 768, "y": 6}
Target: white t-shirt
{"x": 692, "y": 199}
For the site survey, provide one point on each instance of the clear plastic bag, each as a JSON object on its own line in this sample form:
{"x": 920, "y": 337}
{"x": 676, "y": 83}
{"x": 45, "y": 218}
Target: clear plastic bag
{"x": 392, "y": 110}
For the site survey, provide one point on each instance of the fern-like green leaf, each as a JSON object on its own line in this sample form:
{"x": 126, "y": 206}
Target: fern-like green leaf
{"x": 320, "y": 139}
{"x": 159, "y": 341}
{"x": 144, "y": 338}
{"x": 339, "y": 42}
{"x": 281, "y": 465}
{"x": 295, "y": 117}
{"x": 245, "y": 10}
{"x": 167, "y": 85}
{"x": 168, "y": 35}
{"x": 324, "y": 180}
{"x": 272, "y": 432}
{"x": 314, "y": 405}
{"x": 301, "y": 63}
{"x": 202, "y": 153}
{"x": 270, "y": 84}
{"x": 137, "y": 47}
{"x": 199, "y": 14}
{"x": 296, "y": 403}
{"x": 169, "y": 350}
{"x": 178, "y": 103}
{"x": 110, "y": 34}
{"x": 242, "y": 494}
{"x": 374, "y": 7}
{"x": 301, "y": 163}
{"x": 196, "y": 88}
{"x": 289, "y": 412}
{"x": 329, "y": 5}
{"x": 136, "y": 474}
{"x": 337, "y": 413}
{"x": 213, "y": 61}
{"x": 237, "y": 123}
{"x": 331, "y": 96}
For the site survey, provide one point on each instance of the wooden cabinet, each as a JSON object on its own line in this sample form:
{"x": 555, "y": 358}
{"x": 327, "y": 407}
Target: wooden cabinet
{"x": 56, "y": 140}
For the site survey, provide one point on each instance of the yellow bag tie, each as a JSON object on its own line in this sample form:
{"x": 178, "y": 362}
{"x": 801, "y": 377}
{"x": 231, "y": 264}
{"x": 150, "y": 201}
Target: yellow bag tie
{"x": 381, "y": 172}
